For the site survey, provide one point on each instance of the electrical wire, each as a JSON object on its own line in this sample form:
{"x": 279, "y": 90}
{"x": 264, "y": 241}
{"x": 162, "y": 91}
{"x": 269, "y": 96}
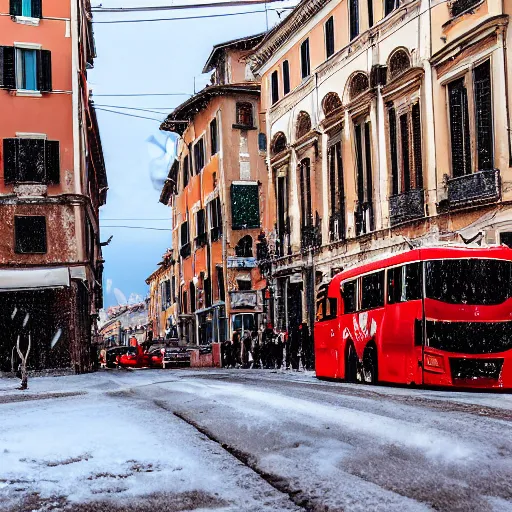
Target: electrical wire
{"x": 132, "y": 219}
{"x": 131, "y": 115}
{"x": 182, "y": 6}
{"x": 137, "y": 227}
{"x": 144, "y": 94}
{"x": 139, "y": 109}
{"x": 191, "y": 17}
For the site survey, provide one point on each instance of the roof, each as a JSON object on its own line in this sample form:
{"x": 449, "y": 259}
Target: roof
{"x": 244, "y": 43}
{"x": 178, "y": 120}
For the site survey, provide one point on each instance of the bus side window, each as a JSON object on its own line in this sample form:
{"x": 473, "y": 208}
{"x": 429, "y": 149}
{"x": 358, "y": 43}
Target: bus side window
{"x": 373, "y": 290}
{"x": 331, "y": 308}
{"x": 413, "y": 281}
{"x": 348, "y": 292}
{"x": 320, "y": 309}
{"x": 394, "y": 285}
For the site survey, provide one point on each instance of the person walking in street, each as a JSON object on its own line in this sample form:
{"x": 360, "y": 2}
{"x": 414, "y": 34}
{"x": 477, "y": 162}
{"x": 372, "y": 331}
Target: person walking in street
{"x": 295, "y": 347}
{"x": 256, "y": 335}
{"x": 246, "y": 349}
{"x": 279, "y": 344}
{"x": 236, "y": 348}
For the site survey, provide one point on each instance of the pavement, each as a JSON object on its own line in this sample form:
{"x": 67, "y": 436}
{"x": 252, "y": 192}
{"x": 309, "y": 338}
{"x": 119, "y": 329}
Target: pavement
{"x": 249, "y": 440}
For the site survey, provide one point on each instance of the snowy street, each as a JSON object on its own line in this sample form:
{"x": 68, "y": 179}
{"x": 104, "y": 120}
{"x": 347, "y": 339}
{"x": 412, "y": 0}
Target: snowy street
{"x": 233, "y": 440}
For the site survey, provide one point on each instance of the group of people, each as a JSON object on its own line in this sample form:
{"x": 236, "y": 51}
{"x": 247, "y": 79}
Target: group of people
{"x": 269, "y": 348}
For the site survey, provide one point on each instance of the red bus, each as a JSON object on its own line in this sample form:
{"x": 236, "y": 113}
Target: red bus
{"x": 436, "y": 316}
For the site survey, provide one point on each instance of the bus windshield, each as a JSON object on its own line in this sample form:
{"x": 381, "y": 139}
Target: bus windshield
{"x": 468, "y": 281}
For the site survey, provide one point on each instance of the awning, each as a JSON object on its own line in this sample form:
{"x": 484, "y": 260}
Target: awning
{"x": 33, "y": 279}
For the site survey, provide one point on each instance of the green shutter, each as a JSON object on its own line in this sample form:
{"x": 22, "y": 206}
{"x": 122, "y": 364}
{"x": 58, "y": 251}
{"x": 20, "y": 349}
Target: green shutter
{"x": 15, "y": 8}
{"x": 52, "y": 161}
{"x": 7, "y": 75}
{"x": 10, "y": 160}
{"x": 245, "y": 209}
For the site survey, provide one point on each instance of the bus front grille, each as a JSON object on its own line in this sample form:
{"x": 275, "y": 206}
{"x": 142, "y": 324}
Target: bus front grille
{"x": 472, "y": 369}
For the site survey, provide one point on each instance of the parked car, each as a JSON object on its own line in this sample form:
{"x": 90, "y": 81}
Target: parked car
{"x": 135, "y": 357}
{"x": 113, "y": 354}
{"x": 173, "y": 357}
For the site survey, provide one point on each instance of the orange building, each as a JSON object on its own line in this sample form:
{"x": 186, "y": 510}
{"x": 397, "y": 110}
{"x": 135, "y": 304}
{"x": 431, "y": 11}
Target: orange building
{"x": 217, "y": 192}
{"x": 52, "y": 183}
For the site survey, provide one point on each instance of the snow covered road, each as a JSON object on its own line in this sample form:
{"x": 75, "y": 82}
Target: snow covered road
{"x": 235, "y": 440}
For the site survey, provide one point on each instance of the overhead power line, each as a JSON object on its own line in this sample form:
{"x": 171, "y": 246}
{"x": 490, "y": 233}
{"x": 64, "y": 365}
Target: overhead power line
{"x": 191, "y": 17}
{"x": 138, "y": 109}
{"x": 162, "y": 219}
{"x": 130, "y": 115}
{"x": 143, "y": 94}
{"x": 138, "y": 227}
{"x": 227, "y": 3}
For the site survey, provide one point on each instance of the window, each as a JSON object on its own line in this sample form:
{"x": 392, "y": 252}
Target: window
{"x": 304, "y": 59}
{"x": 364, "y": 182}
{"x": 303, "y": 124}
{"x": 262, "y": 142}
{"x": 359, "y": 84}
{"x": 329, "y": 37}
{"x": 185, "y": 169}
{"x": 370, "y": 13}
{"x": 286, "y": 77}
{"x": 306, "y": 211}
{"x": 31, "y": 160}
{"x": 390, "y": 6}
{"x": 245, "y": 209}
{"x": 372, "y": 295}
{"x": 185, "y": 303}
{"x": 200, "y": 228}
{"x": 30, "y": 234}
{"x": 274, "y": 87}
{"x": 192, "y": 288}
{"x": 336, "y": 190}
{"x": 465, "y": 120}
{"x": 220, "y": 283}
{"x": 353, "y": 7}
{"x": 405, "y": 149}
{"x": 506, "y": 238}
{"x": 278, "y": 143}
{"x": 244, "y": 284}
{"x": 244, "y": 117}
{"x": 331, "y": 103}
{"x": 199, "y": 156}
{"x": 326, "y": 307}
{"x": 460, "y": 6}
{"x": 405, "y": 283}
{"x": 399, "y": 63}
{"x": 244, "y": 247}
{"x": 184, "y": 240}
{"x": 213, "y": 137}
{"x": 349, "y": 295}
{"x": 26, "y": 69}
{"x": 215, "y": 216}
{"x": 173, "y": 289}
{"x": 27, "y": 8}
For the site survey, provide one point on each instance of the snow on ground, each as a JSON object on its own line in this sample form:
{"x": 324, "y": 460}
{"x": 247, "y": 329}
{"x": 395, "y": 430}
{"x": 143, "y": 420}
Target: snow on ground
{"x": 322, "y": 446}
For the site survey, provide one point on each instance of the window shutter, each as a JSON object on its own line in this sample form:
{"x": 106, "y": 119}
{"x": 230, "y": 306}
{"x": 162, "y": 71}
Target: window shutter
{"x": 52, "y": 161}
{"x": 329, "y": 37}
{"x": 483, "y": 116}
{"x": 7, "y": 75}
{"x": 286, "y": 77}
{"x": 359, "y": 163}
{"x": 404, "y": 136}
{"x": 389, "y": 6}
{"x": 15, "y": 8}
{"x": 31, "y": 164}
{"x": 393, "y": 151}
{"x": 10, "y": 160}
{"x": 44, "y": 70}
{"x": 37, "y": 9}
{"x": 416, "y": 139}
{"x": 368, "y": 156}
{"x": 354, "y": 18}
{"x": 459, "y": 128}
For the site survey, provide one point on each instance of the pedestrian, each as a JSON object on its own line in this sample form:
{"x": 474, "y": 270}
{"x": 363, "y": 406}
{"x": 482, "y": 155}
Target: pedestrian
{"x": 306, "y": 341}
{"x": 267, "y": 349}
{"x": 236, "y": 347}
{"x": 256, "y": 338}
{"x": 279, "y": 344}
{"x": 295, "y": 347}
{"x": 246, "y": 349}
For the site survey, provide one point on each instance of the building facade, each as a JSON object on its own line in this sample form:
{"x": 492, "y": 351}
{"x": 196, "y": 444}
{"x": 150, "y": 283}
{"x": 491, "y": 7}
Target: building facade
{"x": 52, "y": 183}
{"x": 388, "y": 125}
{"x": 217, "y": 192}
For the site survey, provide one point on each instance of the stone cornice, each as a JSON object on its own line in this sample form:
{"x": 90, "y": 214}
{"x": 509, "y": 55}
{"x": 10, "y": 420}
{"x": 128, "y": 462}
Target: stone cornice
{"x": 291, "y": 100}
{"x": 406, "y": 82}
{"x": 304, "y": 11}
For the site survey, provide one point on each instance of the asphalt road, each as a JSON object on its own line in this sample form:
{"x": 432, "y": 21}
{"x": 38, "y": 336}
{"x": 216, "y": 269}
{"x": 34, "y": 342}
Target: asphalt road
{"x": 263, "y": 441}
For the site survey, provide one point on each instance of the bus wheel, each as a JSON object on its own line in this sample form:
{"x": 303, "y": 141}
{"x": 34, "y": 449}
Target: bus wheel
{"x": 370, "y": 365}
{"x": 351, "y": 361}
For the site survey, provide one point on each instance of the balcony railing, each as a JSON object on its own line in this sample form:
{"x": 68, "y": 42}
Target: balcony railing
{"x": 475, "y": 188}
{"x": 407, "y": 206}
{"x": 459, "y": 6}
{"x": 185, "y": 250}
{"x": 311, "y": 237}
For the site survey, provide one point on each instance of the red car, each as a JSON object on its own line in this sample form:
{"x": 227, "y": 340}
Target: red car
{"x": 135, "y": 358}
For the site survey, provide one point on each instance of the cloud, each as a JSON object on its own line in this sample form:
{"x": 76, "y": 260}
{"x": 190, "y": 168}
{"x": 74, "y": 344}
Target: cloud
{"x": 109, "y": 285}
{"x": 120, "y": 296}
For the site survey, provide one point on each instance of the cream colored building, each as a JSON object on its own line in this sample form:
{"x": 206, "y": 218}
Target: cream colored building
{"x": 387, "y": 124}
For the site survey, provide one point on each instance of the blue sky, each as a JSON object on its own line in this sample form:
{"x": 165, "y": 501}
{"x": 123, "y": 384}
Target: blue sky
{"x": 156, "y": 57}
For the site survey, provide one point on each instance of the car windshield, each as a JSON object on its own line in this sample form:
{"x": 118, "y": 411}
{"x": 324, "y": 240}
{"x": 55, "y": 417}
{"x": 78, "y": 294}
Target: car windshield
{"x": 468, "y": 281}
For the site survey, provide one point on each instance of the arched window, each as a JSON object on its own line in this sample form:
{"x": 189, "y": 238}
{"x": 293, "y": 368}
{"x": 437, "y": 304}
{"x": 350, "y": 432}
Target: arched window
{"x": 358, "y": 84}
{"x": 243, "y": 248}
{"x": 303, "y": 124}
{"x": 279, "y": 143}
{"x": 331, "y": 103}
{"x": 244, "y": 116}
{"x": 399, "y": 62}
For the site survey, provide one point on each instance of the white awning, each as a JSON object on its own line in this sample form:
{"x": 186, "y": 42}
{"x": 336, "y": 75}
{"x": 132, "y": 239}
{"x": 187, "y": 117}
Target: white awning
{"x": 33, "y": 279}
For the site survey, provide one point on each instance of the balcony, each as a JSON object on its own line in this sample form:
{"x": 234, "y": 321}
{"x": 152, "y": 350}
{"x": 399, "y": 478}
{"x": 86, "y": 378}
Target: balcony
{"x": 407, "y": 206}
{"x": 471, "y": 189}
{"x": 311, "y": 237}
{"x": 185, "y": 250}
{"x": 460, "y": 6}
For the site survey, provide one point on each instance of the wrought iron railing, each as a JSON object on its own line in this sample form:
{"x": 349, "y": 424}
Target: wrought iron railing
{"x": 407, "y": 206}
{"x": 474, "y": 188}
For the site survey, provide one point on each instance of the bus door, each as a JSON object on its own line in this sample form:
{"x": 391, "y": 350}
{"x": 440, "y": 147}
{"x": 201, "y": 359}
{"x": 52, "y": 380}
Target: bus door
{"x": 327, "y": 336}
{"x": 402, "y": 330}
